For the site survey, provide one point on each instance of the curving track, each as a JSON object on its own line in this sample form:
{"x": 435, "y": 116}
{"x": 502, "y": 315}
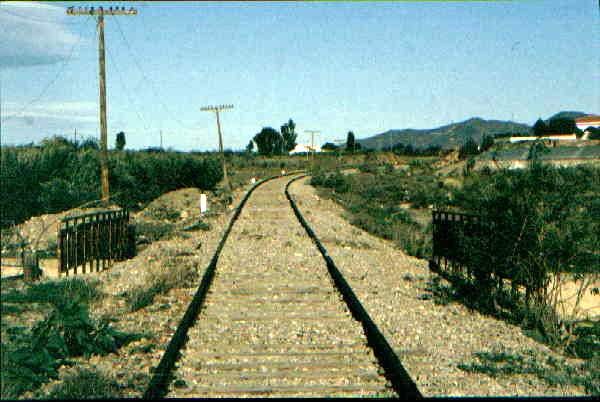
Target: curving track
{"x": 273, "y": 317}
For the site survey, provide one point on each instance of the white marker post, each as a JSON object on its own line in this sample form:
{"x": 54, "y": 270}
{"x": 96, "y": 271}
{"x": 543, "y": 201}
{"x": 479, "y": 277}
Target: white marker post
{"x": 203, "y": 207}
{"x": 253, "y": 180}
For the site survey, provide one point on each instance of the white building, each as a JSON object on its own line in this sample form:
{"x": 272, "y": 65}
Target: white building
{"x": 304, "y": 148}
{"x": 587, "y": 121}
{"x": 552, "y": 137}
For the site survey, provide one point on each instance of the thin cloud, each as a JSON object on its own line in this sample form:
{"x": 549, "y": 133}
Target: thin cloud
{"x": 33, "y": 34}
{"x": 72, "y": 111}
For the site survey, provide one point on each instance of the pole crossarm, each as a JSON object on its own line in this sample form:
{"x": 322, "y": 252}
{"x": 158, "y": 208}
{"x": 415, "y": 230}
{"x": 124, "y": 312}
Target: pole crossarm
{"x": 216, "y": 108}
{"x": 101, "y": 11}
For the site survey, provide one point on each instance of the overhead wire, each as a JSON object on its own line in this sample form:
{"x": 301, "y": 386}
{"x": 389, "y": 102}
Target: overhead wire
{"x": 150, "y": 82}
{"x": 40, "y": 20}
{"x": 48, "y": 85}
{"x": 114, "y": 63}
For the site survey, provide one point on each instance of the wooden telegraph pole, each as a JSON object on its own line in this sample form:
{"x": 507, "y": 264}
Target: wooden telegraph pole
{"x": 218, "y": 109}
{"x": 312, "y": 141}
{"x": 100, "y": 13}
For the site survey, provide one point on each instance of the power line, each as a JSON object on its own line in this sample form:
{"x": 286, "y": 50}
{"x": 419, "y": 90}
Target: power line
{"x": 40, "y": 20}
{"x": 50, "y": 83}
{"x": 150, "y": 82}
{"x": 114, "y": 63}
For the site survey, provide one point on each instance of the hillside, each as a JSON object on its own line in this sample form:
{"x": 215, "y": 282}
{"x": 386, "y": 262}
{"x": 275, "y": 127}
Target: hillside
{"x": 449, "y": 136}
{"x": 567, "y": 115}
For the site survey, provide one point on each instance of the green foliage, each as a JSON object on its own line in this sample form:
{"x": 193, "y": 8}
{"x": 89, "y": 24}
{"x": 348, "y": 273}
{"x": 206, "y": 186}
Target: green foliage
{"x": 587, "y": 340}
{"x": 537, "y": 223}
{"x": 350, "y": 142}
{"x": 57, "y": 176}
{"x": 329, "y": 146}
{"x": 561, "y": 125}
{"x": 594, "y": 133}
{"x": 30, "y": 358}
{"x": 486, "y": 142}
{"x": 469, "y": 148}
{"x": 269, "y": 142}
{"x": 85, "y": 384}
{"x": 55, "y": 292}
{"x": 120, "y": 141}
{"x": 373, "y": 200}
{"x": 250, "y": 146}
{"x": 289, "y": 135}
{"x": 540, "y": 128}
{"x": 175, "y": 275}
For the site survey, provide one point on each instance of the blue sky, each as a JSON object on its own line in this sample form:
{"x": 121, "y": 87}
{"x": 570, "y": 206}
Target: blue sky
{"x": 361, "y": 66}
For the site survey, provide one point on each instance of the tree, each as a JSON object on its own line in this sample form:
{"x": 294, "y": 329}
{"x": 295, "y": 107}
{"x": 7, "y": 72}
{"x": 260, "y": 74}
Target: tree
{"x": 486, "y": 142}
{"x": 469, "y": 148}
{"x": 120, "y": 141}
{"x": 289, "y": 135}
{"x": 268, "y": 141}
{"x": 562, "y": 126}
{"x": 90, "y": 143}
{"x": 250, "y": 146}
{"x": 329, "y": 146}
{"x": 350, "y": 142}
{"x": 594, "y": 133}
{"x": 540, "y": 128}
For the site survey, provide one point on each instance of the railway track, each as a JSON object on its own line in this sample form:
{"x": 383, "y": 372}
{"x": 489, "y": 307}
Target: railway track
{"x": 274, "y": 317}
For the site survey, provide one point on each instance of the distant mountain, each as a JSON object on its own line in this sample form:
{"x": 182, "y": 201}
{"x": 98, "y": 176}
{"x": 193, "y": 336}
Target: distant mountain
{"x": 449, "y": 136}
{"x": 567, "y": 115}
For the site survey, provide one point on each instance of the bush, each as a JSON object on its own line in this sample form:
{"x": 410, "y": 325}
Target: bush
{"x": 55, "y": 292}
{"x": 30, "y": 359}
{"x": 174, "y": 275}
{"x": 85, "y": 384}
{"x": 57, "y": 175}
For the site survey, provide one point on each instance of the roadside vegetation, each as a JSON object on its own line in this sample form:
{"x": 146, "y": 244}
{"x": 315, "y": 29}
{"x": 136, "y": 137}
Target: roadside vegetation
{"x": 392, "y": 202}
{"x": 60, "y": 174}
{"x": 31, "y": 356}
{"x": 546, "y": 226}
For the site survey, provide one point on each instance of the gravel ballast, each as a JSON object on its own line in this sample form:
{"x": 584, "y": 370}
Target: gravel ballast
{"x": 430, "y": 339}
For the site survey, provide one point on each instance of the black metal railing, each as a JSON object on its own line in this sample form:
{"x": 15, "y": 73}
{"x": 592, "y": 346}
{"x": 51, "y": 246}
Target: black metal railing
{"x": 93, "y": 241}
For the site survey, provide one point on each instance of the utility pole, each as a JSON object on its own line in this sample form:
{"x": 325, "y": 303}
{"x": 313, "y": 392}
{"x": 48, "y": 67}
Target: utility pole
{"x": 218, "y": 109}
{"x": 312, "y": 142}
{"x": 161, "y": 146}
{"x": 100, "y": 13}
{"x": 75, "y": 135}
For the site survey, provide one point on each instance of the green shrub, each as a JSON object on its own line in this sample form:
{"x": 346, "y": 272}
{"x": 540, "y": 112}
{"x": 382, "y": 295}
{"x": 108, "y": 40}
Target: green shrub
{"x": 57, "y": 175}
{"x": 85, "y": 384}
{"x": 30, "y": 359}
{"x": 56, "y": 292}
{"x": 174, "y": 275}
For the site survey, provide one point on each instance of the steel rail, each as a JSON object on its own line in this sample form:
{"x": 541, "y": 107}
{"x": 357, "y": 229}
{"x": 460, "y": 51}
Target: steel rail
{"x": 163, "y": 373}
{"x": 387, "y": 358}
{"x": 401, "y": 382}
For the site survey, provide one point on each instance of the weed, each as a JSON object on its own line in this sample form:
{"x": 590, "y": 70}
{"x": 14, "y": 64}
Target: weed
{"x": 85, "y": 384}
{"x": 55, "y": 292}
{"x": 31, "y": 358}
{"x": 175, "y": 275}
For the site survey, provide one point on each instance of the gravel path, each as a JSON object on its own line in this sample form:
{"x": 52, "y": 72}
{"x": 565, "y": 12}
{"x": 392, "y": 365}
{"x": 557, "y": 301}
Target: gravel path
{"x": 273, "y": 323}
{"x": 430, "y": 339}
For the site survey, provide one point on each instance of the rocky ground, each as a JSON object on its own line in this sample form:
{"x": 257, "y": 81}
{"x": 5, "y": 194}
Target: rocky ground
{"x": 431, "y": 339}
{"x": 179, "y": 259}
{"x": 273, "y": 323}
